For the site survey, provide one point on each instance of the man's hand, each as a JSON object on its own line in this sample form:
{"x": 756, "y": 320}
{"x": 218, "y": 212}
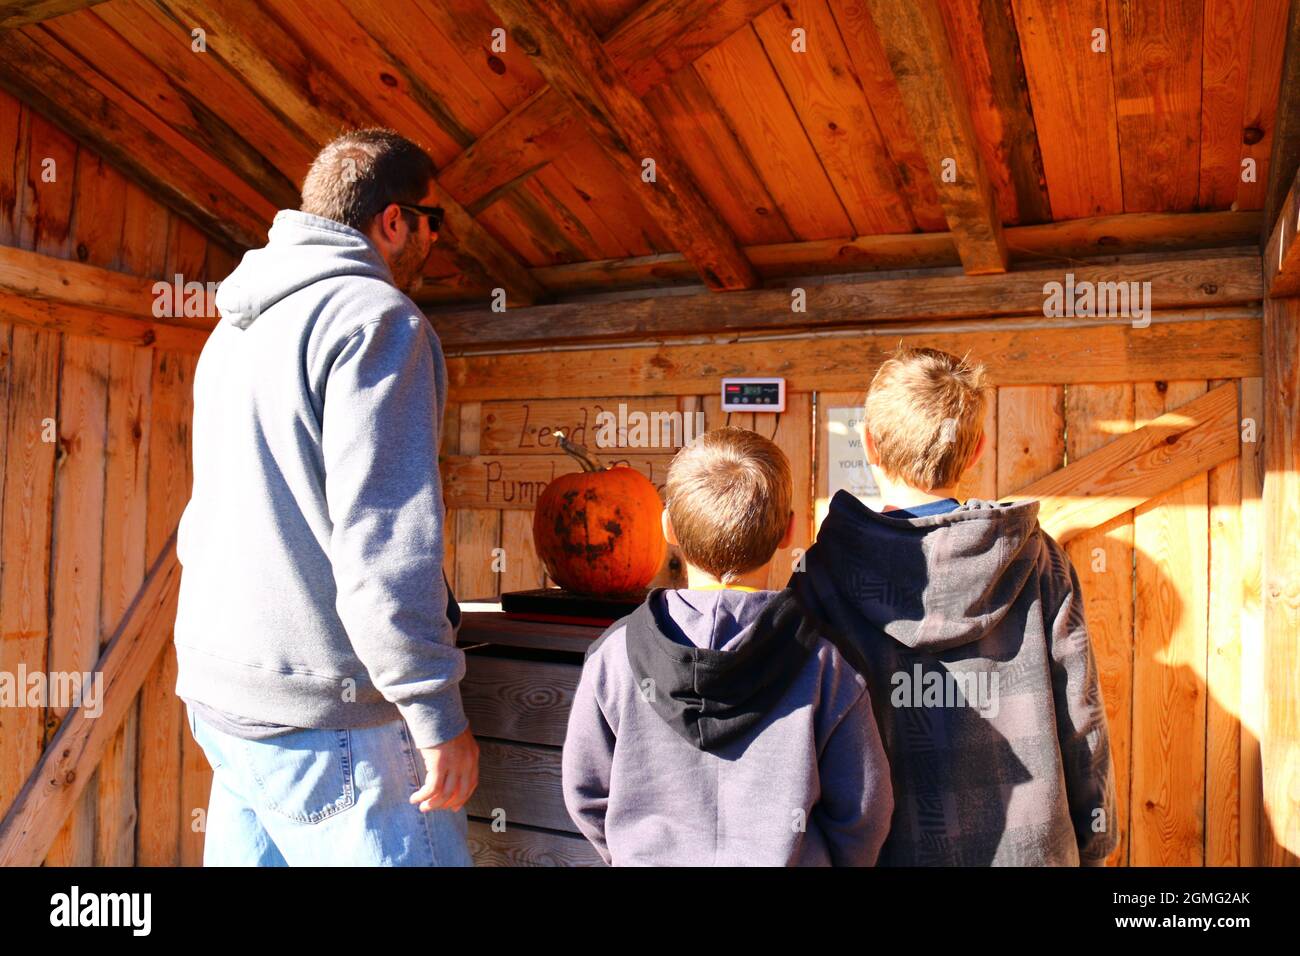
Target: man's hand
{"x": 452, "y": 774}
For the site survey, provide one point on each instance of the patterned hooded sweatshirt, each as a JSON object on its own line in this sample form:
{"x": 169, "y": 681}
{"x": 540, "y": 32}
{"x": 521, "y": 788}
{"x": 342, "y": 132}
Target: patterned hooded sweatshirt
{"x": 971, "y": 629}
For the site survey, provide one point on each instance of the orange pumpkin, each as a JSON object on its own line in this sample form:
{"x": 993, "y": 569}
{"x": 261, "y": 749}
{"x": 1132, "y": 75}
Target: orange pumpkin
{"x": 597, "y": 531}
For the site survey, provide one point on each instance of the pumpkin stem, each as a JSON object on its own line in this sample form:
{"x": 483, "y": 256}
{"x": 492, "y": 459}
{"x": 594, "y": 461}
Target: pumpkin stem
{"x": 588, "y": 460}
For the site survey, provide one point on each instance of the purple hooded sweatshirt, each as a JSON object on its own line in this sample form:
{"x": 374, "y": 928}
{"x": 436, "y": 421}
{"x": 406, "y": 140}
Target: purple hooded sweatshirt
{"x": 721, "y": 728}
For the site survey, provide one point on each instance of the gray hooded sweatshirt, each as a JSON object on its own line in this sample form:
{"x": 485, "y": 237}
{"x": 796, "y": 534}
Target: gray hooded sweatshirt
{"x": 312, "y": 592}
{"x": 720, "y": 728}
{"x": 971, "y": 629}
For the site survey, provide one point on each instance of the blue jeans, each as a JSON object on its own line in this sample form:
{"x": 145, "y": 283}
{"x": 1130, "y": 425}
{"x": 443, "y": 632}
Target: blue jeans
{"x": 323, "y": 798}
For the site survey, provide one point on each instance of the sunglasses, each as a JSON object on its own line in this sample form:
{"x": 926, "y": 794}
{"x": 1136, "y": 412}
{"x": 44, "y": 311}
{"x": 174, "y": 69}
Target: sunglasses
{"x": 433, "y": 213}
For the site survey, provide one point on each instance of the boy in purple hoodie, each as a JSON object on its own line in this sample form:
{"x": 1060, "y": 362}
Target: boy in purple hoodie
{"x": 716, "y": 725}
{"x": 970, "y": 620}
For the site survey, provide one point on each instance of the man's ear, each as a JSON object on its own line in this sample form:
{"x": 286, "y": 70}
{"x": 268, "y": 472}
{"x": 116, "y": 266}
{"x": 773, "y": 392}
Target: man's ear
{"x": 666, "y": 523}
{"x": 384, "y": 229}
{"x": 788, "y": 538}
{"x": 387, "y": 225}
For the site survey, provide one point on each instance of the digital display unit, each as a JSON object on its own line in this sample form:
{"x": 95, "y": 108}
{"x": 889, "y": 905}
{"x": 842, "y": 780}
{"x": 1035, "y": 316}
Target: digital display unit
{"x": 753, "y": 394}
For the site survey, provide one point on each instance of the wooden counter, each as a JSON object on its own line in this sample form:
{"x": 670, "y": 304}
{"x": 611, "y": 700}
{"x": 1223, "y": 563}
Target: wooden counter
{"x": 519, "y": 683}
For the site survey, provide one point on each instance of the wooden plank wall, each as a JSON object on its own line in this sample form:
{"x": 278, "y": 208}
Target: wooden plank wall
{"x": 1171, "y": 588}
{"x": 94, "y": 439}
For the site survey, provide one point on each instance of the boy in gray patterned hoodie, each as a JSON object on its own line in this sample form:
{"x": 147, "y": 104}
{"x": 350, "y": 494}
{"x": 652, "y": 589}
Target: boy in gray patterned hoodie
{"x": 716, "y": 725}
{"x": 970, "y": 620}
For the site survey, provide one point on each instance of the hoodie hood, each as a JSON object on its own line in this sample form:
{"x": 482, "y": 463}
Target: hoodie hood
{"x": 931, "y": 583}
{"x": 713, "y": 662}
{"x": 301, "y": 250}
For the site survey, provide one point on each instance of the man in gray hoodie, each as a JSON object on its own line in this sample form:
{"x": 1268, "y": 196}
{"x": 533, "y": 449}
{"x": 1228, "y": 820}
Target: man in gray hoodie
{"x": 315, "y": 633}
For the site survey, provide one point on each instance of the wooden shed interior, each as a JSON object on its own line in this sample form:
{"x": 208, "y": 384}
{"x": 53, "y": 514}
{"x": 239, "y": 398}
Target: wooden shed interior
{"x": 644, "y": 196}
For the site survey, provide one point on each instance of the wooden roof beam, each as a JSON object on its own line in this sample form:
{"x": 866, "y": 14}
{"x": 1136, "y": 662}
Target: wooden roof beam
{"x": 656, "y": 40}
{"x": 569, "y": 54}
{"x": 64, "y": 295}
{"x": 19, "y": 13}
{"x": 1282, "y": 253}
{"x": 1284, "y": 160}
{"x": 921, "y": 59}
{"x": 1177, "y": 345}
{"x": 1137, "y": 233}
{"x": 1204, "y": 280}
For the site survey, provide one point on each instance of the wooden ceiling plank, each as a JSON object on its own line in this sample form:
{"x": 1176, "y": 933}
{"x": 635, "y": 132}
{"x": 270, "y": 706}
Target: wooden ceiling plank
{"x": 468, "y": 25}
{"x": 602, "y": 15}
{"x": 1260, "y": 116}
{"x": 754, "y": 105}
{"x": 476, "y": 249}
{"x": 54, "y": 81}
{"x": 256, "y": 48}
{"x": 1074, "y": 105}
{"x": 516, "y": 147}
{"x": 565, "y": 207}
{"x": 527, "y": 225}
{"x": 544, "y": 125}
{"x": 168, "y": 45}
{"x": 274, "y": 64}
{"x": 176, "y": 105}
{"x": 920, "y": 56}
{"x": 1224, "y": 83}
{"x": 858, "y": 31}
{"x": 18, "y": 13}
{"x": 691, "y": 119}
{"x": 685, "y": 30}
{"x": 444, "y": 108}
{"x": 379, "y": 73}
{"x": 428, "y": 68}
{"x": 829, "y": 101}
{"x": 1155, "y": 51}
{"x": 571, "y": 57}
{"x": 989, "y": 62}
{"x": 609, "y": 198}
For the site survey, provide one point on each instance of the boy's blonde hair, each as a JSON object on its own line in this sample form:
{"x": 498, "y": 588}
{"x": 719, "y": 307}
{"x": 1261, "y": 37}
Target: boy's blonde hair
{"x": 925, "y": 414}
{"x": 728, "y": 498}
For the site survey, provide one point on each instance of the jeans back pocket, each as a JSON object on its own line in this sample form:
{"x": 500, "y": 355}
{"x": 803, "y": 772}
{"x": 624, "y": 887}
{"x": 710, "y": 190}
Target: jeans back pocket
{"x": 305, "y": 775}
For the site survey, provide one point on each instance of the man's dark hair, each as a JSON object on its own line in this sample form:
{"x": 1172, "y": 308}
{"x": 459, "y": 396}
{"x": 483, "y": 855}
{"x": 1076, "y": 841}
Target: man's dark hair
{"x": 358, "y": 174}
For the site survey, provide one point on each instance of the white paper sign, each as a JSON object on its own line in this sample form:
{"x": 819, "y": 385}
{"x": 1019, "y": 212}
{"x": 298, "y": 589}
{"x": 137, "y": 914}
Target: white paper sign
{"x": 846, "y": 460}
